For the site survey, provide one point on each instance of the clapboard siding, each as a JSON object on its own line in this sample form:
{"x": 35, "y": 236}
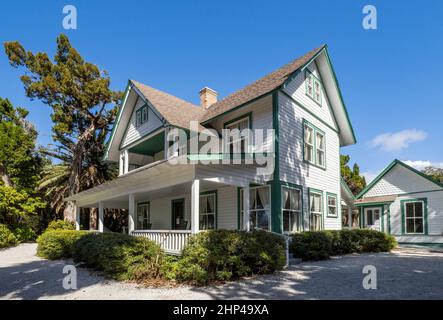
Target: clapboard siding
{"x": 134, "y": 133}
{"x": 400, "y": 180}
{"x": 435, "y": 212}
{"x": 226, "y": 205}
{"x": 292, "y": 167}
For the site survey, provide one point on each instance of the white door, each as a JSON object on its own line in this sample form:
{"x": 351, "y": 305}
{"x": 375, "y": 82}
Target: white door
{"x": 372, "y": 218}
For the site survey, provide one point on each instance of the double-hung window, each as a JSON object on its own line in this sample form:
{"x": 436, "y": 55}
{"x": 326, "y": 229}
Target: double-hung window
{"x": 314, "y": 147}
{"x": 208, "y": 210}
{"x": 141, "y": 115}
{"x": 332, "y": 204}
{"x": 292, "y": 209}
{"x": 316, "y": 209}
{"x": 313, "y": 87}
{"x": 259, "y": 207}
{"x": 237, "y": 142}
{"x": 143, "y": 216}
{"x": 414, "y": 216}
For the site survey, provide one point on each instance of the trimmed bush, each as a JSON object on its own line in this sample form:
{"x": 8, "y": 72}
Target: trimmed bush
{"x": 7, "y": 238}
{"x": 320, "y": 245}
{"x": 120, "y": 256}
{"x": 24, "y": 234}
{"x": 60, "y": 225}
{"x": 57, "y": 244}
{"x": 220, "y": 255}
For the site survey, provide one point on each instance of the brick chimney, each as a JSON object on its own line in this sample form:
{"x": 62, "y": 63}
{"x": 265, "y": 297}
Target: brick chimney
{"x": 207, "y": 97}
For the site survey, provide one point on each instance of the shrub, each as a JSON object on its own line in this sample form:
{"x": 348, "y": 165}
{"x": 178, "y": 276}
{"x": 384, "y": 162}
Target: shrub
{"x": 60, "y": 225}
{"x": 320, "y": 245}
{"x": 24, "y": 234}
{"x": 57, "y": 244}
{"x": 120, "y": 256}
{"x": 7, "y": 238}
{"x": 311, "y": 245}
{"x": 227, "y": 254}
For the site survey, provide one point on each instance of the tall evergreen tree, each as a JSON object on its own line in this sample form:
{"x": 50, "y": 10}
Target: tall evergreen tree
{"x": 355, "y": 181}
{"x": 83, "y": 109}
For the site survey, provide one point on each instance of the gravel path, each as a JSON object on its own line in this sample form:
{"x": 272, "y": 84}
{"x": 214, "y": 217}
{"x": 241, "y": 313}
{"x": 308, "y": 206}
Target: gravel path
{"x": 402, "y": 274}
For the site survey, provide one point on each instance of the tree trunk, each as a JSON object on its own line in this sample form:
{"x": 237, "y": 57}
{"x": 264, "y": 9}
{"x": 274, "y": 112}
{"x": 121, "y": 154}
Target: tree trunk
{"x": 70, "y": 211}
{"x": 5, "y": 176}
{"x": 93, "y": 213}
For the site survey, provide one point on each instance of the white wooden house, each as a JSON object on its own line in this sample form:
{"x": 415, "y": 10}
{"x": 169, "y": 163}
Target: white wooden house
{"x": 167, "y": 202}
{"x": 405, "y": 203}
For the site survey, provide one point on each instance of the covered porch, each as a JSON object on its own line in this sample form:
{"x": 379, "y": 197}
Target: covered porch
{"x": 167, "y": 203}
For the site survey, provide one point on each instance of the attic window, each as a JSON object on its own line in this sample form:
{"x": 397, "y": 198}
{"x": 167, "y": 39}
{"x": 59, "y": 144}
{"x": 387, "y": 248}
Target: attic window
{"x": 141, "y": 115}
{"x": 313, "y": 87}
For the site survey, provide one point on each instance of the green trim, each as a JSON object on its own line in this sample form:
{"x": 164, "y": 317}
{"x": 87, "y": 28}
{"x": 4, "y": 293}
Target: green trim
{"x": 276, "y": 211}
{"x": 172, "y": 213}
{"x": 371, "y": 204}
{"x": 214, "y": 192}
{"x": 321, "y": 192}
{"x": 425, "y": 216}
{"x": 309, "y": 73}
{"x": 299, "y": 104}
{"x": 345, "y": 185}
{"x": 117, "y": 122}
{"x": 238, "y": 208}
{"x": 284, "y": 184}
{"x": 246, "y": 115}
{"x": 389, "y": 219}
{"x": 150, "y": 146}
{"x": 334, "y": 195}
{"x": 315, "y": 130}
{"x": 389, "y": 168}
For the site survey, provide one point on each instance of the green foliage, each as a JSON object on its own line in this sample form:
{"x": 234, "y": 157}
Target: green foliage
{"x": 16, "y": 205}
{"x": 320, "y": 245}
{"x": 58, "y": 244}
{"x": 24, "y": 234}
{"x": 220, "y": 255}
{"x": 434, "y": 173}
{"x": 60, "y": 225}
{"x": 83, "y": 112}
{"x": 7, "y": 238}
{"x": 120, "y": 256}
{"x": 355, "y": 181}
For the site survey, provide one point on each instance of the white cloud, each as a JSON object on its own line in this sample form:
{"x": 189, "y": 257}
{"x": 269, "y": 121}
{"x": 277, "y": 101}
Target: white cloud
{"x": 397, "y": 141}
{"x": 421, "y": 164}
{"x": 369, "y": 176}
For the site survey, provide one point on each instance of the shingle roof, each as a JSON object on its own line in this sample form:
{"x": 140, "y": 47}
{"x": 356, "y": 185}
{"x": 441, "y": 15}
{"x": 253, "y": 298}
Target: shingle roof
{"x": 377, "y": 199}
{"x": 260, "y": 87}
{"x": 176, "y": 111}
{"x": 179, "y": 112}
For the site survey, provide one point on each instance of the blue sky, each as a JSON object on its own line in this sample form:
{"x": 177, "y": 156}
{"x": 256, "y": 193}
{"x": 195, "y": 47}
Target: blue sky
{"x": 391, "y": 78}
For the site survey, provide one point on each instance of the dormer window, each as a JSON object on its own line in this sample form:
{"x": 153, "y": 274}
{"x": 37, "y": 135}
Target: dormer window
{"x": 313, "y": 87}
{"x": 141, "y": 115}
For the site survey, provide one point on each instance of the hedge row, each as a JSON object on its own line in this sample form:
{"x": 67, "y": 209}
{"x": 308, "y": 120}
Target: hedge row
{"x": 216, "y": 255}
{"x": 320, "y": 245}
{"x": 7, "y": 238}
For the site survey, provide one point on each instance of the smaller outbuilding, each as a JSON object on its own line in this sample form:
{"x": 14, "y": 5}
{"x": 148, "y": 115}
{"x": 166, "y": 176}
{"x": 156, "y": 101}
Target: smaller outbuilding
{"x": 404, "y": 202}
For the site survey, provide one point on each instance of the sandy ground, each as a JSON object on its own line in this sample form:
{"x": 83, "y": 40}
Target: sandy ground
{"x": 406, "y": 273}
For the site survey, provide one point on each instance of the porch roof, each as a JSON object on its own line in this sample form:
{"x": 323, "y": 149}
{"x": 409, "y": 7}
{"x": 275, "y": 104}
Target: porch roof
{"x": 372, "y": 200}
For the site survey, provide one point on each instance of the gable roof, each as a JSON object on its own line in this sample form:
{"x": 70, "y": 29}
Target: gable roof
{"x": 176, "y": 111}
{"x": 388, "y": 169}
{"x": 260, "y": 87}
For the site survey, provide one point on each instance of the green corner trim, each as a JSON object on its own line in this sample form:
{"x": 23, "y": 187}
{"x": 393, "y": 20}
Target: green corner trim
{"x": 276, "y": 211}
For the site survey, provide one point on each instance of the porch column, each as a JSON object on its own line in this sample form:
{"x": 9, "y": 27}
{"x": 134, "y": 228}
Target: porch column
{"x": 77, "y": 217}
{"x": 195, "y": 206}
{"x": 126, "y": 167}
{"x": 100, "y": 216}
{"x": 131, "y": 213}
{"x": 121, "y": 164}
{"x": 350, "y": 217}
{"x": 246, "y": 224}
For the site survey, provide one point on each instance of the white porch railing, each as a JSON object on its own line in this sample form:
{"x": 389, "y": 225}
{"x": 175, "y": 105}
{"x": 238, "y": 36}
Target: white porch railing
{"x": 172, "y": 241}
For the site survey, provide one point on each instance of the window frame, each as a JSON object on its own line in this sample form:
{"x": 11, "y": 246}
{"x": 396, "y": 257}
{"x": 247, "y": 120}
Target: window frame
{"x": 240, "y": 205}
{"x": 139, "y": 113}
{"x": 215, "y": 213}
{"x": 227, "y": 124}
{"x": 148, "y": 204}
{"x": 337, "y": 207}
{"x": 424, "y": 216}
{"x": 311, "y": 78}
{"x": 315, "y": 131}
{"x": 318, "y": 192}
{"x": 300, "y": 190}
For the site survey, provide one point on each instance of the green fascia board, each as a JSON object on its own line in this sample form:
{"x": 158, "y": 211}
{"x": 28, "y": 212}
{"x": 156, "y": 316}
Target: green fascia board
{"x": 345, "y": 184}
{"x": 372, "y": 204}
{"x": 389, "y": 168}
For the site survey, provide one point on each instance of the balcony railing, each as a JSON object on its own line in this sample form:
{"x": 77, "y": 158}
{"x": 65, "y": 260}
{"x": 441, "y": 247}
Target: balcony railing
{"x": 172, "y": 241}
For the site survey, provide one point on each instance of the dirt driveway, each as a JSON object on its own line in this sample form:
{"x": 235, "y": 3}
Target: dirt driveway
{"x": 402, "y": 274}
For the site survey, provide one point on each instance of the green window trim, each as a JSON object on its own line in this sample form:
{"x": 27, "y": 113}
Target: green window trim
{"x": 289, "y": 185}
{"x": 315, "y": 130}
{"x": 315, "y": 82}
{"x": 333, "y": 195}
{"x": 321, "y": 193}
{"x": 248, "y": 116}
{"x": 239, "y": 207}
{"x": 212, "y": 192}
{"x": 141, "y": 115}
{"x": 403, "y": 216}
{"x": 172, "y": 213}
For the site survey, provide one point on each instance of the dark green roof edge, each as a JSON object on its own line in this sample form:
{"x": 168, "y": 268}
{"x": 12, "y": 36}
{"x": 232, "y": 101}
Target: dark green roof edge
{"x": 387, "y": 169}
